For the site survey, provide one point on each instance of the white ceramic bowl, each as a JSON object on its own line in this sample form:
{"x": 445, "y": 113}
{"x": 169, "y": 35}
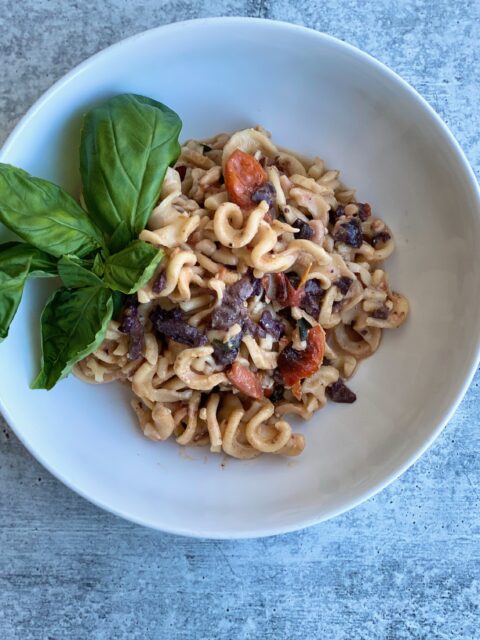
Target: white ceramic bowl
{"x": 319, "y": 96}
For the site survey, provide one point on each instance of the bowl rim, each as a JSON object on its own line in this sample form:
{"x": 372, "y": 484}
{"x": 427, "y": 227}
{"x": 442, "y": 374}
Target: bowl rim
{"x": 463, "y": 163}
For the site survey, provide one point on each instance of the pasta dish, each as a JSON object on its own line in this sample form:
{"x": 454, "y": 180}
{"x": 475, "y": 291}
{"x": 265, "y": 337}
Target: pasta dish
{"x": 270, "y": 293}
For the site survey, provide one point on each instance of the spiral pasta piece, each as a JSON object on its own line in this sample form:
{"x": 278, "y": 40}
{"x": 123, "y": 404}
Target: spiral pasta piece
{"x": 266, "y": 442}
{"x": 184, "y": 368}
{"x": 231, "y": 228}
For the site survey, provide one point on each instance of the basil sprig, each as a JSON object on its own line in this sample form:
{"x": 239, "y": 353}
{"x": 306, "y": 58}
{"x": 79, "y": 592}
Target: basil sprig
{"x": 127, "y": 144}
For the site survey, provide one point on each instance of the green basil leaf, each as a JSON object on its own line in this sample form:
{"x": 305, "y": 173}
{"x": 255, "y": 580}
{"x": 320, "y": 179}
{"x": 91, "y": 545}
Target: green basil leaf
{"x": 44, "y": 215}
{"x": 12, "y": 280}
{"x": 76, "y": 272}
{"x": 18, "y": 262}
{"x": 130, "y": 269}
{"x": 8, "y": 245}
{"x": 42, "y": 265}
{"x": 74, "y": 323}
{"x": 126, "y": 146}
{"x": 98, "y": 266}
{"x": 120, "y": 238}
{"x": 118, "y": 303}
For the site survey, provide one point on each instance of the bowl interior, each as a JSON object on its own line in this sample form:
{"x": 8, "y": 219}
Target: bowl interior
{"x": 320, "y": 97}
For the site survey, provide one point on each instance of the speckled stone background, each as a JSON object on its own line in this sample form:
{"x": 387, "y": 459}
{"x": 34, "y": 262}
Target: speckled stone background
{"x": 404, "y": 565}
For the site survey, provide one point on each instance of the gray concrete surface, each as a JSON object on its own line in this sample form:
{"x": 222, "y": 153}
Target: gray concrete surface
{"x": 404, "y": 565}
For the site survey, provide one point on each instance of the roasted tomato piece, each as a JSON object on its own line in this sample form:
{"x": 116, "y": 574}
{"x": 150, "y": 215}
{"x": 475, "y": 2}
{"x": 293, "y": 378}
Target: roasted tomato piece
{"x": 245, "y": 380}
{"x": 243, "y": 176}
{"x": 295, "y": 365}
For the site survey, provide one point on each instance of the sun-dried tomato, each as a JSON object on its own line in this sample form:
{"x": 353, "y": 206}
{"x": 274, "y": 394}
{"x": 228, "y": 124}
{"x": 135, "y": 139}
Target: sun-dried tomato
{"x": 295, "y": 365}
{"x": 243, "y": 176}
{"x": 245, "y": 381}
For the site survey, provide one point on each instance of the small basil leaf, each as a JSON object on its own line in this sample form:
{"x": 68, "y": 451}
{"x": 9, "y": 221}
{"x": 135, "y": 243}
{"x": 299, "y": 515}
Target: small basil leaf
{"x": 98, "y": 266}
{"x": 76, "y": 272}
{"x": 44, "y": 215}
{"x": 303, "y": 328}
{"x": 74, "y": 324}
{"x": 126, "y": 146}
{"x": 18, "y": 262}
{"x": 130, "y": 269}
{"x": 233, "y": 343}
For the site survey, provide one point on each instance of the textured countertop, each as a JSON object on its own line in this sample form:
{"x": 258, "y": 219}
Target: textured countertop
{"x": 406, "y": 564}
